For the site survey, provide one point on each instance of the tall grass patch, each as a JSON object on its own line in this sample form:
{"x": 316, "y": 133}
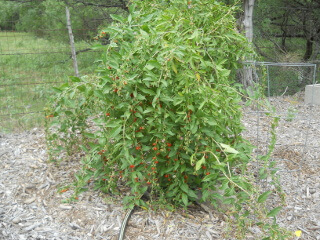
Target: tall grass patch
{"x": 29, "y": 68}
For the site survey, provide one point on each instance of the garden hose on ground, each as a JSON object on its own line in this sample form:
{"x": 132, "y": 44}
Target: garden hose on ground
{"x": 128, "y": 215}
{"x": 125, "y": 222}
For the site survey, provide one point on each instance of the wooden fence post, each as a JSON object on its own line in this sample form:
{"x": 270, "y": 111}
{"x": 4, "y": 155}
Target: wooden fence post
{"x": 73, "y": 49}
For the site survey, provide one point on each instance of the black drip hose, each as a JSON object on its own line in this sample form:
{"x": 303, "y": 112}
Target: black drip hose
{"x": 128, "y": 215}
{"x": 125, "y": 222}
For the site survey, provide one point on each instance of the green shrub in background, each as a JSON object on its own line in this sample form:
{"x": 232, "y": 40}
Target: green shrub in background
{"x": 162, "y": 114}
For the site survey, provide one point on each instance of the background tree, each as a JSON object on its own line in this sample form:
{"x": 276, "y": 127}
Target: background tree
{"x": 248, "y": 5}
{"x": 43, "y": 15}
{"x": 286, "y": 27}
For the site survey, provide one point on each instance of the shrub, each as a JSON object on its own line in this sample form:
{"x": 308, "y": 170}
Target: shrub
{"x": 166, "y": 115}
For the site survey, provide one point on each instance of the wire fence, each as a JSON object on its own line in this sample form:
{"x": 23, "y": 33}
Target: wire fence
{"x": 285, "y": 78}
{"x": 296, "y": 153}
{"x": 30, "y": 66}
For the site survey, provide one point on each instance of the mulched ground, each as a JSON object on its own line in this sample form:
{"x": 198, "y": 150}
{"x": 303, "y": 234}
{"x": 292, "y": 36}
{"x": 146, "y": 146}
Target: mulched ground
{"x": 32, "y": 208}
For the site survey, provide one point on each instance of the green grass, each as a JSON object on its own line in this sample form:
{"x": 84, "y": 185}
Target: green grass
{"x": 29, "y": 67}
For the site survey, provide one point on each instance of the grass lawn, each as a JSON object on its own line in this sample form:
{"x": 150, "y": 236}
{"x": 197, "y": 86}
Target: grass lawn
{"x": 29, "y": 67}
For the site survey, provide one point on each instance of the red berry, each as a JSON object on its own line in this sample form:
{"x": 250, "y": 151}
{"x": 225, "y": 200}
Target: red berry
{"x": 116, "y": 90}
{"x": 131, "y": 166}
{"x": 156, "y": 162}
{"x": 207, "y": 173}
{"x": 154, "y": 158}
{"x": 169, "y": 144}
{"x": 154, "y": 144}
{"x": 203, "y": 167}
{"x": 107, "y": 114}
{"x": 138, "y": 147}
{"x": 155, "y": 148}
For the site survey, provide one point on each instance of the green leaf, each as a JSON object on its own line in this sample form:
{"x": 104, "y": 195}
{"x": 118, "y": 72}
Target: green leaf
{"x": 228, "y": 149}
{"x": 199, "y": 163}
{"x": 99, "y": 94}
{"x": 148, "y": 91}
{"x": 113, "y": 124}
{"x": 56, "y": 89}
{"x": 117, "y": 18}
{"x": 74, "y": 79}
{"x": 194, "y": 128}
{"x": 192, "y": 194}
{"x": 274, "y": 212}
{"x": 89, "y": 135}
{"x": 184, "y": 199}
{"x": 129, "y": 18}
{"x": 184, "y": 187}
{"x": 263, "y": 197}
{"x": 174, "y": 68}
{"x": 115, "y": 132}
{"x": 152, "y": 64}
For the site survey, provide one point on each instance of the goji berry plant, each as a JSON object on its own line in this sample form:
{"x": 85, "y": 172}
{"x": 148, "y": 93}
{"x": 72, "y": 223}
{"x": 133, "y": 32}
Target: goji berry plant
{"x": 162, "y": 113}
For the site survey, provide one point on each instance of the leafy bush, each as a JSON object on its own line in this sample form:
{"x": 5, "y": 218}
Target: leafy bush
{"x": 162, "y": 114}
{"x": 165, "y": 115}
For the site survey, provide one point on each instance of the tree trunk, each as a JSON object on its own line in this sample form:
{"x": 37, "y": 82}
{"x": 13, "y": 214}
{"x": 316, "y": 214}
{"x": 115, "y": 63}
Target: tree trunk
{"x": 309, "y": 50}
{"x": 247, "y": 22}
{"x": 247, "y": 76}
